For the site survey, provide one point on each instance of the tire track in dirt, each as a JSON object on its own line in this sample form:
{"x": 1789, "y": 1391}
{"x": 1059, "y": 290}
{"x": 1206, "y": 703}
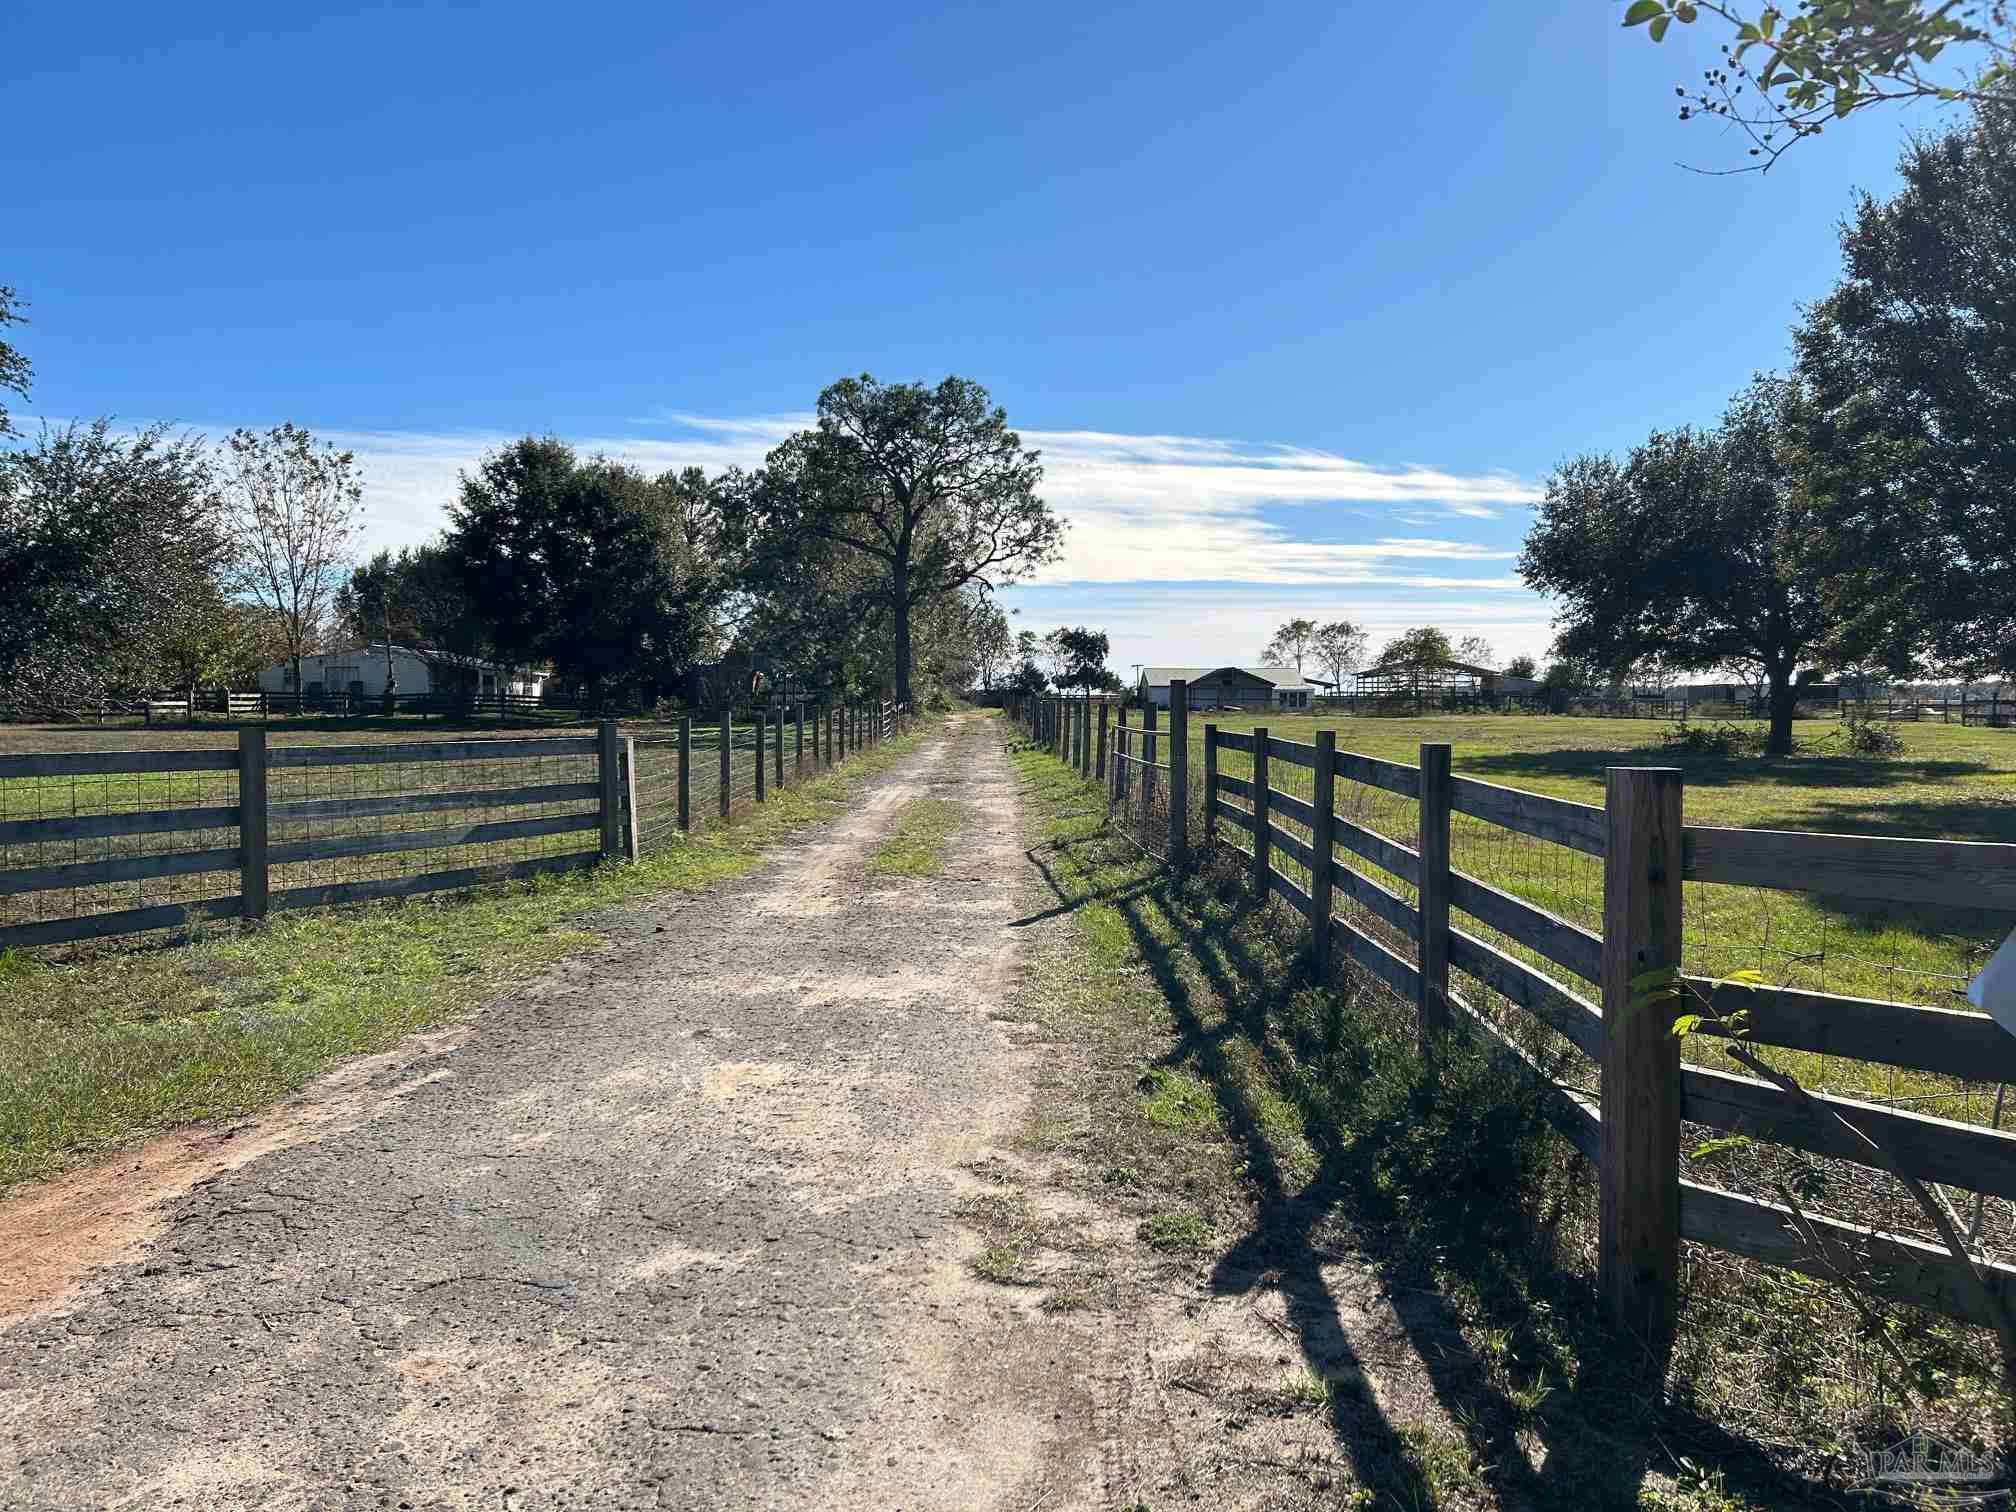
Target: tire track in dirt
{"x": 675, "y": 1225}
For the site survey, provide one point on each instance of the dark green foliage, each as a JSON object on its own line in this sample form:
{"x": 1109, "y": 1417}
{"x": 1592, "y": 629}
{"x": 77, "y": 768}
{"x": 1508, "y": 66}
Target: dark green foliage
{"x": 15, "y": 370}
{"x": 1911, "y": 361}
{"x": 110, "y": 548}
{"x": 1685, "y": 552}
{"x": 926, "y": 489}
{"x": 1081, "y": 656}
{"x": 413, "y": 598}
{"x": 560, "y": 564}
{"x": 1522, "y": 666}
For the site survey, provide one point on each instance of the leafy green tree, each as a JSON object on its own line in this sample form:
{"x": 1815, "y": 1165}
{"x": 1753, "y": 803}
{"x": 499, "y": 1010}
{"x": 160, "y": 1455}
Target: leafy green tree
{"x": 15, "y": 370}
{"x": 1908, "y": 454}
{"x": 993, "y": 644}
{"x": 294, "y": 507}
{"x": 1291, "y": 643}
{"x": 1684, "y": 552}
{"x": 1475, "y": 651}
{"x": 413, "y": 597}
{"x": 1339, "y": 647}
{"x": 928, "y": 484}
{"x": 560, "y": 564}
{"x": 1785, "y": 74}
{"x": 1417, "y": 647}
{"x": 1522, "y": 666}
{"x": 1082, "y": 658}
{"x": 112, "y": 548}
{"x": 215, "y": 640}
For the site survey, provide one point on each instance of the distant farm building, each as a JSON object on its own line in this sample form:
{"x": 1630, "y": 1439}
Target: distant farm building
{"x": 361, "y": 672}
{"x": 1255, "y": 688}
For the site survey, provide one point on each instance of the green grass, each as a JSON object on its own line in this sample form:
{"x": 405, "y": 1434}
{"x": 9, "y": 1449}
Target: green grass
{"x": 1949, "y": 782}
{"x": 105, "y": 1049}
{"x": 916, "y": 848}
{"x": 1327, "y": 1139}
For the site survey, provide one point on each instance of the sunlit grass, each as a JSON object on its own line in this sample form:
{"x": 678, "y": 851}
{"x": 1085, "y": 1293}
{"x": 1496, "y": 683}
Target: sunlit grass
{"x": 102, "y": 1050}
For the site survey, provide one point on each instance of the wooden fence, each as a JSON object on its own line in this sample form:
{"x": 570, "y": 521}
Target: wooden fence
{"x": 232, "y": 818}
{"x": 1632, "y": 1131}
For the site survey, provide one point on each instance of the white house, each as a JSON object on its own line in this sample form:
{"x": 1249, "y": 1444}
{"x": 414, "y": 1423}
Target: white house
{"x": 1260, "y": 688}
{"x": 360, "y": 670}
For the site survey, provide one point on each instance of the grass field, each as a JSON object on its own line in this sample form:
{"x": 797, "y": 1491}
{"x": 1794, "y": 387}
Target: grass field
{"x": 124, "y": 1042}
{"x": 56, "y": 797}
{"x": 1282, "y": 1119}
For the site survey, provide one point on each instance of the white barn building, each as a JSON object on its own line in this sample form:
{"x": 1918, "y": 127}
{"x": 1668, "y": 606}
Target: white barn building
{"x": 360, "y": 671}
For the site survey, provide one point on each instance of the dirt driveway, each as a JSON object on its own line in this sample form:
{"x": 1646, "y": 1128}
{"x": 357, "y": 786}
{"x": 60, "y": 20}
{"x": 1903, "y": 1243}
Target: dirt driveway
{"x": 675, "y": 1226}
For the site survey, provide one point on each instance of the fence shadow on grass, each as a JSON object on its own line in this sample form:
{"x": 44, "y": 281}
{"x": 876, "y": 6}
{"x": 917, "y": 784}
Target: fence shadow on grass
{"x": 1419, "y": 1239}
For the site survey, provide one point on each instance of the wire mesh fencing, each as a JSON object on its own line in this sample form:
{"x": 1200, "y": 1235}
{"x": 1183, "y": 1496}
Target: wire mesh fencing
{"x": 155, "y": 832}
{"x": 1845, "y": 972}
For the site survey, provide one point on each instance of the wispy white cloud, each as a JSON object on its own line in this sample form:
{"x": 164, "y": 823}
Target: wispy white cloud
{"x": 1182, "y": 546}
{"x": 1157, "y": 507}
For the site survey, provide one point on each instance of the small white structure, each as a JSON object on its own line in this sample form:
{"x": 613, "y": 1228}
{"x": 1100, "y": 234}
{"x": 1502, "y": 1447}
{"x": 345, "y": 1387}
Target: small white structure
{"x": 361, "y": 670}
{"x": 1257, "y": 688}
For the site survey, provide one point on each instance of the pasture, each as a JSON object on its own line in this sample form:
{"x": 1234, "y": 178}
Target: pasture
{"x": 1949, "y": 782}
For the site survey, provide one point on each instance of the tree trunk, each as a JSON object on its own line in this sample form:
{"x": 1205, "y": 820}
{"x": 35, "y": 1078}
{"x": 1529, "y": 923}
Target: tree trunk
{"x": 902, "y": 649}
{"x": 1782, "y": 698}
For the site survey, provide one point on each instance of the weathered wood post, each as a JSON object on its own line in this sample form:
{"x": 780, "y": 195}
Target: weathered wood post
{"x": 253, "y": 885}
{"x": 609, "y": 781}
{"x": 631, "y": 846}
{"x": 1210, "y": 786}
{"x": 778, "y": 756}
{"x": 1638, "y": 1210}
{"x": 1099, "y": 761}
{"x": 1432, "y": 944}
{"x": 1148, "y": 749}
{"x": 1179, "y": 773}
{"x": 1122, "y": 769}
{"x": 1260, "y": 833}
{"x": 762, "y": 749}
{"x": 685, "y": 774}
{"x": 1322, "y": 840}
{"x": 727, "y": 755}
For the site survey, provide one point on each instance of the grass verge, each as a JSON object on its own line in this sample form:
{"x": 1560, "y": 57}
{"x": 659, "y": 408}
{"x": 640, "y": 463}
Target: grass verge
{"x": 111, "y": 1048}
{"x": 917, "y": 846}
{"x": 1277, "y": 1128}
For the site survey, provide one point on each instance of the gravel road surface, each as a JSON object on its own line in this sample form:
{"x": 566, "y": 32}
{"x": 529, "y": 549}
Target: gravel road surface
{"x": 673, "y": 1226}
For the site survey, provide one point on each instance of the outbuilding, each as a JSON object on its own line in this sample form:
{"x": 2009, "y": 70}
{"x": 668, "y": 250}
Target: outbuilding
{"x": 1255, "y": 689}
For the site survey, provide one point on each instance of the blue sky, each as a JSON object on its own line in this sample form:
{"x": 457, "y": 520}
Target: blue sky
{"x": 1301, "y": 302}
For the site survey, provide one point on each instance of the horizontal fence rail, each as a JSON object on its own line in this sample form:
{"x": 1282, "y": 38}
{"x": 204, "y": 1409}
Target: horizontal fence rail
{"x": 1360, "y": 846}
{"x": 158, "y": 839}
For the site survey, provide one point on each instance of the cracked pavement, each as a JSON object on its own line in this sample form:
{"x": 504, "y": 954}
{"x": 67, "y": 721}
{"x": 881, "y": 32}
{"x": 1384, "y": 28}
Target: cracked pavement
{"x": 672, "y": 1226}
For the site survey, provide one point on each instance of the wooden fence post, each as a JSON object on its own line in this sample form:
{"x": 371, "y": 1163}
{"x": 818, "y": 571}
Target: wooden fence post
{"x": 1638, "y": 1217}
{"x": 1210, "y": 786}
{"x": 1099, "y": 761}
{"x": 1122, "y": 772}
{"x": 252, "y": 870}
{"x": 798, "y": 745}
{"x": 1179, "y": 773}
{"x": 727, "y": 755}
{"x": 1148, "y": 749}
{"x": 1322, "y": 840}
{"x": 778, "y": 773}
{"x": 762, "y": 749}
{"x": 610, "y": 780}
{"x": 685, "y": 774}
{"x": 1260, "y": 834}
{"x": 631, "y": 848}
{"x": 1438, "y": 792}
